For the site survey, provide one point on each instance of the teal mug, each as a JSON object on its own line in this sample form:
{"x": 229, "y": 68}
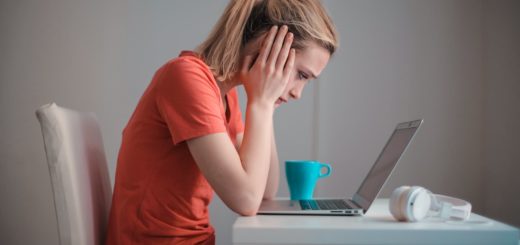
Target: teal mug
{"x": 302, "y": 176}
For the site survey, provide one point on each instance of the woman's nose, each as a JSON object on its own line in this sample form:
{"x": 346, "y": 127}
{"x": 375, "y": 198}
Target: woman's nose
{"x": 296, "y": 92}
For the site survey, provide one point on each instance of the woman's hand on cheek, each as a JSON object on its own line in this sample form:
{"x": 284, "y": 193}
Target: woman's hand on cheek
{"x": 266, "y": 77}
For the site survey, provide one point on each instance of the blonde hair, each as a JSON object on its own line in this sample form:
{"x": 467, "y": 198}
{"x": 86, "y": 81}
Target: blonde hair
{"x": 245, "y": 20}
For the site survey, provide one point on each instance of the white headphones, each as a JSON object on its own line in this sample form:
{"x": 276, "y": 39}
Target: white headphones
{"x": 414, "y": 203}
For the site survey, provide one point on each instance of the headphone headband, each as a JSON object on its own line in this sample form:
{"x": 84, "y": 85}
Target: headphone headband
{"x": 451, "y": 207}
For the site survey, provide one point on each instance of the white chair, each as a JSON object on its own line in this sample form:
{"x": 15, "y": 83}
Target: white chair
{"x": 79, "y": 174}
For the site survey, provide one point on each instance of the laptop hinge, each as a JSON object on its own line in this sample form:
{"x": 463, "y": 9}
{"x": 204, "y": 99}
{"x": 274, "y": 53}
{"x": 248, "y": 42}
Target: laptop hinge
{"x": 353, "y": 204}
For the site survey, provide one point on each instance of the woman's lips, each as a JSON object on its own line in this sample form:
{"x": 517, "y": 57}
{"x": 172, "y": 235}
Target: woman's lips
{"x": 279, "y": 102}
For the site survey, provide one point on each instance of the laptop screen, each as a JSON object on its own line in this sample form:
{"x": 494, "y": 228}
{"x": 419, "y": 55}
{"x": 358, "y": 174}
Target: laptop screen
{"x": 386, "y": 162}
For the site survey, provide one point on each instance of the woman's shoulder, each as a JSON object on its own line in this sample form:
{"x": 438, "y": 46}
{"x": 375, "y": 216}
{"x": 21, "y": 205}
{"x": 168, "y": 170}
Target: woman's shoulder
{"x": 187, "y": 60}
{"x": 184, "y": 71}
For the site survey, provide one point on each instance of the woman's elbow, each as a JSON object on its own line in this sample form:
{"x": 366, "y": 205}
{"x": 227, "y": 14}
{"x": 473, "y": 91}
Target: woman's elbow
{"x": 247, "y": 206}
{"x": 248, "y": 212}
{"x": 245, "y": 210}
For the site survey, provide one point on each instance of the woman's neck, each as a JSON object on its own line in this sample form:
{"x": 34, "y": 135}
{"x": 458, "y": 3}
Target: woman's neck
{"x": 226, "y": 85}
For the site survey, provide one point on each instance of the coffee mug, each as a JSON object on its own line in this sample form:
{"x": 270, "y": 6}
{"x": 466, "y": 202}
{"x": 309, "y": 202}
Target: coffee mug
{"x": 302, "y": 176}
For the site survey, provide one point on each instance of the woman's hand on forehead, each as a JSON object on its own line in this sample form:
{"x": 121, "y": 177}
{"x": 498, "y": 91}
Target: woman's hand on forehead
{"x": 266, "y": 76}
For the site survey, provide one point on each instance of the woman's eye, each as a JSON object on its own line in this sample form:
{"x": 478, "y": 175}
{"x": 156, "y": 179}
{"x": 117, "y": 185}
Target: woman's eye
{"x": 302, "y": 76}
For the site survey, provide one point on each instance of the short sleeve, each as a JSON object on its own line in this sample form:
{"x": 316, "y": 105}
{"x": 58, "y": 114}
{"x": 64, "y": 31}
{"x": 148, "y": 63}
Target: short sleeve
{"x": 189, "y": 100}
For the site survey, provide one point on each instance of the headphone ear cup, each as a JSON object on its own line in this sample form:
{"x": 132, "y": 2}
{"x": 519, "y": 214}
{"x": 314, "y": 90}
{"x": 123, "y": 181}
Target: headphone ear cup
{"x": 404, "y": 200}
{"x": 418, "y": 204}
{"x": 395, "y": 202}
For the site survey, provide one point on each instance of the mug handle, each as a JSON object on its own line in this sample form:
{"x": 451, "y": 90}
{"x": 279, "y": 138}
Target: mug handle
{"x": 329, "y": 169}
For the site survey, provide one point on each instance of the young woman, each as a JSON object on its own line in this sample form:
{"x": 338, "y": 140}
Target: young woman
{"x": 186, "y": 137}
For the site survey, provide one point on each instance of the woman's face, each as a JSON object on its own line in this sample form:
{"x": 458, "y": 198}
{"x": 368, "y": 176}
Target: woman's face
{"x": 308, "y": 65}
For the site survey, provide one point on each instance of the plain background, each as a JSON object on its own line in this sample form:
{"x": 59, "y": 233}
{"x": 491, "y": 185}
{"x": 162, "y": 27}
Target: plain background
{"x": 456, "y": 64}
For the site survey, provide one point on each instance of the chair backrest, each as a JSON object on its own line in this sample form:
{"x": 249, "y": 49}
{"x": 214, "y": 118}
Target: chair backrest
{"x": 79, "y": 174}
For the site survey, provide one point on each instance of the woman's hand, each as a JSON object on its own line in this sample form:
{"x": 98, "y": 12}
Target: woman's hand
{"x": 266, "y": 79}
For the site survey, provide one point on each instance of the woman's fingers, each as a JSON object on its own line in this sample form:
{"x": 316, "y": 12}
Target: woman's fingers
{"x": 289, "y": 65}
{"x": 284, "y": 53}
{"x": 266, "y": 45}
{"x": 266, "y": 77}
{"x": 276, "y": 46}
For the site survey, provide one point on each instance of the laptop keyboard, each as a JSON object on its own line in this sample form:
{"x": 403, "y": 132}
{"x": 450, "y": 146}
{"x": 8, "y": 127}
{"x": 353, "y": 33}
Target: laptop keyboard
{"x": 324, "y": 204}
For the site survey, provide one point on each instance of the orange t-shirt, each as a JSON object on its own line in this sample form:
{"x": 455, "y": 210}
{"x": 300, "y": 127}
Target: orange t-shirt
{"x": 160, "y": 195}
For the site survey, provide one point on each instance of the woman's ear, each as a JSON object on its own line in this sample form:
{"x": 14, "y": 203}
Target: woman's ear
{"x": 255, "y": 56}
{"x": 247, "y": 63}
{"x": 252, "y": 48}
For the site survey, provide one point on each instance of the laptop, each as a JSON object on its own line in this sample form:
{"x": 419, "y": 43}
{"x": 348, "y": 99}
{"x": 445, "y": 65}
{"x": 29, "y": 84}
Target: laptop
{"x": 366, "y": 193}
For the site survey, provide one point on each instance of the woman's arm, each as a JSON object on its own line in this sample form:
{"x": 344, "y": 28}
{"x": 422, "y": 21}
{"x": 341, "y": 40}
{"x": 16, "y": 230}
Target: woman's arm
{"x": 273, "y": 178}
{"x": 274, "y": 172}
{"x": 239, "y": 177}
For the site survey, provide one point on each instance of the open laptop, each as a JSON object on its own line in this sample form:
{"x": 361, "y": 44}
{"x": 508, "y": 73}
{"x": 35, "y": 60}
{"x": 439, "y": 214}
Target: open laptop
{"x": 367, "y": 192}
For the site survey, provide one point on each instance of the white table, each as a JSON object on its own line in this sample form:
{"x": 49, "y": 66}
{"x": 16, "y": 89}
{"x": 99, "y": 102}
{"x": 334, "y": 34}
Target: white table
{"x": 376, "y": 227}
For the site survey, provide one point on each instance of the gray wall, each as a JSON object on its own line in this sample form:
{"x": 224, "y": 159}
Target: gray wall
{"x": 453, "y": 63}
{"x": 502, "y": 110}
